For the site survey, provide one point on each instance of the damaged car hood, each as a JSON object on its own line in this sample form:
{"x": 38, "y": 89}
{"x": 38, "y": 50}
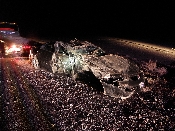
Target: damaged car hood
{"x": 108, "y": 65}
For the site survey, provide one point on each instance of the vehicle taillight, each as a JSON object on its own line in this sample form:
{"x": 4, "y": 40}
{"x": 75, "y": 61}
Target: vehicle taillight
{"x": 26, "y": 47}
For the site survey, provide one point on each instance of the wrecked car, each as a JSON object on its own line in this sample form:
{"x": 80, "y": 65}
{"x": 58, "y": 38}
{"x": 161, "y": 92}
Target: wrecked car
{"x": 82, "y": 60}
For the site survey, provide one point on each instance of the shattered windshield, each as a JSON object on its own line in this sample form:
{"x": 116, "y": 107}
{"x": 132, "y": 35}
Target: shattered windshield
{"x": 90, "y": 50}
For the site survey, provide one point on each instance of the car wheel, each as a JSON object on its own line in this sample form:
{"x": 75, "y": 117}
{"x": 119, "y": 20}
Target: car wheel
{"x": 35, "y": 62}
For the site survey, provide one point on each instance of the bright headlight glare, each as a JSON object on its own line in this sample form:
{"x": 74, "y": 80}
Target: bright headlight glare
{"x": 107, "y": 76}
{"x": 14, "y": 46}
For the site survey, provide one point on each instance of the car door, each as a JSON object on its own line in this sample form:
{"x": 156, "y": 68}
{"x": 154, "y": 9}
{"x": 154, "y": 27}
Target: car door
{"x": 44, "y": 55}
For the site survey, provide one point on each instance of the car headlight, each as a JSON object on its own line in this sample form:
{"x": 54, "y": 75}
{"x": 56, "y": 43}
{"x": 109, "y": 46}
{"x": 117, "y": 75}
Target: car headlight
{"x": 14, "y": 48}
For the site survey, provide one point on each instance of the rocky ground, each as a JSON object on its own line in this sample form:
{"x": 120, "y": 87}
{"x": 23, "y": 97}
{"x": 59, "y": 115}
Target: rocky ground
{"x": 38, "y": 100}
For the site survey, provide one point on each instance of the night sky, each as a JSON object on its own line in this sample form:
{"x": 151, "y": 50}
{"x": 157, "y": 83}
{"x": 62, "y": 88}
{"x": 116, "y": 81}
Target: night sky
{"x": 127, "y": 19}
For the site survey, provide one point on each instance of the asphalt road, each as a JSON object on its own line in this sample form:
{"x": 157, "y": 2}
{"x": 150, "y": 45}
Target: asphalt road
{"x": 137, "y": 49}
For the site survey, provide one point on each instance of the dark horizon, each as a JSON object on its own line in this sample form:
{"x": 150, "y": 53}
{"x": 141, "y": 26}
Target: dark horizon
{"x": 133, "y": 20}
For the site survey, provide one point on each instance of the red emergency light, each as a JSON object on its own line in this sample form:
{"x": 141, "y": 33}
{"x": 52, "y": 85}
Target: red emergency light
{"x": 7, "y": 29}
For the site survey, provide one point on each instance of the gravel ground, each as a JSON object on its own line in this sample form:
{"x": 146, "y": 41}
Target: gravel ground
{"x": 38, "y": 100}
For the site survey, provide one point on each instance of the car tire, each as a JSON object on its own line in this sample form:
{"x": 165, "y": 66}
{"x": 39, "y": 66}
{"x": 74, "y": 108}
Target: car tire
{"x": 35, "y": 62}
